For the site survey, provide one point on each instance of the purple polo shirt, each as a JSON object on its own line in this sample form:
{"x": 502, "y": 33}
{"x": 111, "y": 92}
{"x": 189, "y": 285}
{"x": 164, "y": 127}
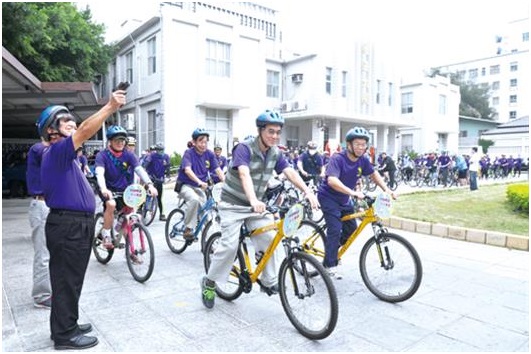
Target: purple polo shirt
{"x": 156, "y": 164}
{"x": 444, "y": 160}
{"x": 347, "y": 171}
{"x": 63, "y": 184}
{"x": 33, "y": 171}
{"x": 201, "y": 164}
{"x": 119, "y": 172}
{"x": 241, "y": 156}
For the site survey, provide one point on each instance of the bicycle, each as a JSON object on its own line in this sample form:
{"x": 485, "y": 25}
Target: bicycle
{"x": 207, "y": 216}
{"x": 139, "y": 249}
{"x": 149, "y": 209}
{"x": 306, "y": 291}
{"x": 389, "y": 264}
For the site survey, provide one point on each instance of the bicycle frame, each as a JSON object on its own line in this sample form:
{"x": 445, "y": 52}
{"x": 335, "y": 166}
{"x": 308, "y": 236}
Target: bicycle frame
{"x": 130, "y": 218}
{"x": 204, "y": 209}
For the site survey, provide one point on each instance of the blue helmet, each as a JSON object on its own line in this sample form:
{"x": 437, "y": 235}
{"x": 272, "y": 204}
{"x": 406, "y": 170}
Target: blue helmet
{"x": 114, "y": 131}
{"x": 199, "y": 132}
{"x": 49, "y": 119}
{"x": 269, "y": 117}
{"x": 358, "y": 133}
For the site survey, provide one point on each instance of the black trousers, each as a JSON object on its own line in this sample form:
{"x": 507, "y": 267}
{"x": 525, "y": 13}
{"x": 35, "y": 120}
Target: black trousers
{"x": 160, "y": 187}
{"x": 69, "y": 237}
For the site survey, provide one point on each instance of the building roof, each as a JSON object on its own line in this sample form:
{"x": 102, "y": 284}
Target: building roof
{"x": 516, "y": 126}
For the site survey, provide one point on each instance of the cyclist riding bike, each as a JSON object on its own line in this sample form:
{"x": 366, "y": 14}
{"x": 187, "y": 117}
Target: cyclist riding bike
{"x": 339, "y": 185}
{"x": 388, "y": 167}
{"x": 115, "y": 169}
{"x": 197, "y": 164}
{"x": 222, "y": 162}
{"x": 310, "y": 164}
{"x": 157, "y": 164}
{"x": 251, "y": 167}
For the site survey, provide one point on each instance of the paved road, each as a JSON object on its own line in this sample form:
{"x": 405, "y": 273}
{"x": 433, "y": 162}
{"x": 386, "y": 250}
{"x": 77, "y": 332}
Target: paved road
{"x": 473, "y": 297}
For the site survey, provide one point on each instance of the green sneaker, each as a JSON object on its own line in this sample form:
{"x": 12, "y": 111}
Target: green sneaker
{"x": 208, "y": 292}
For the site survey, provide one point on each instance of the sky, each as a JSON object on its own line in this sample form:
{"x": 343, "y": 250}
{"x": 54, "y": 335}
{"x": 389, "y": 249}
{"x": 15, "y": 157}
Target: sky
{"x": 418, "y": 34}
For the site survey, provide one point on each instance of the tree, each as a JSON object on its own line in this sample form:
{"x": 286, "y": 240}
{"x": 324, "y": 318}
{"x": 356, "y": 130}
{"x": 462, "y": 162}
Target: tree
{"x": 474, "y": 98}
{"x": 485, "y": 144}
{"x": 55, "y": 41}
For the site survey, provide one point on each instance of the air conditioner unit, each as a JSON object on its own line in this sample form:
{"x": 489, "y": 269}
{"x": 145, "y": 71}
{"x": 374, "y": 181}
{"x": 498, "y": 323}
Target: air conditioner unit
{"x": 129, "y": 121}
{"x": 296, "y": 78}
{"x": 298, "y": 105}
{"x": 285, "y": 107}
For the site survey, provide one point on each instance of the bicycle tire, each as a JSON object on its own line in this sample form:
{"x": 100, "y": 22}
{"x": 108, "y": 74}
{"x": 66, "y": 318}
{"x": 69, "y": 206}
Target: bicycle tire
{"x": 371, "y": 187}
{"x": 142, "y": 262}
{"x": 232, "y": 288}
{"x": 313, "y": 215}
{"x": 399, "y": 278}
{"x": 205, "y": 234}
{"x": 174, "y": 230}
{"x": 309, "y": 301}
{"x": 393, "y": 186}
{"x": 313, "y": 238}
{"x": 102, "y": 254}
{"x": 149, "y": 210}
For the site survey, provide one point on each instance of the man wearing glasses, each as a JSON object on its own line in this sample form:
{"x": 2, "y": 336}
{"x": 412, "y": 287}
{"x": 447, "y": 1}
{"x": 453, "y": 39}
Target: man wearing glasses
{"x": 339, "y": 185}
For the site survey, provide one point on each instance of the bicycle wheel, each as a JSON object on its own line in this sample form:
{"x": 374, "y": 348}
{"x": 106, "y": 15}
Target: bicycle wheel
{"x": 313, "y": 238}
{"x": 232, "y": 288}
{"x": 174, "y": 230}
{"x": 392, "y": 186}
{"x": 398, "y": 275}
{"x": 313, "y": 215}
{"x": 211, "y": 226}
{"x": 371, "y": 187}
{"x": 139, "y": 252}
{"x": 102, "y": 254}
{"x": 149, "y": 210}
{"x": 310, "y": 301}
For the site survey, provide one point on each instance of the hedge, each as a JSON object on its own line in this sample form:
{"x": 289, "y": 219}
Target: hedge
{"x": 518, "y": 197}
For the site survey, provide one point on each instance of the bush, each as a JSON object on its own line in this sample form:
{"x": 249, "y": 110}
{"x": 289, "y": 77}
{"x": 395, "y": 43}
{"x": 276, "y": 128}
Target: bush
{"x": 175, "y": 162}
{"x": 518, "y": 197}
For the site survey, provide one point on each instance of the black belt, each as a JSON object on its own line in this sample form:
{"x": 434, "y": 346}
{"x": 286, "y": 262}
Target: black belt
{"x": 38, "y": 197}
{"x": 77, "y": 213}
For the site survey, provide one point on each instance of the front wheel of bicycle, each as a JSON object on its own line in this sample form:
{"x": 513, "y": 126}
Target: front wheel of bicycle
{"x": 308, "y": 296}
{"x": 102, "y": 254}
{"x": 139, "y": 252}
{"x": 174, "y": 230}
{"x": 232, "y": 288}
{"x": 149, "y": 210}
{"x": 390, "y": 267}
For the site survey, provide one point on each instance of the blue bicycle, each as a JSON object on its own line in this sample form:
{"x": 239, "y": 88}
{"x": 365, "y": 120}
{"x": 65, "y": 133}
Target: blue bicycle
{"x": 148, "y": 210}
{"x": 207, "y": 216}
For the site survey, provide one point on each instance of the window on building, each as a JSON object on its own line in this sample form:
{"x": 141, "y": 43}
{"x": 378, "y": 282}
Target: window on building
{"x": 483, "y": 71}
{"x": 129, "y": 67}
{"x": 461, "y": 74}
{"x": 407, "y": 102}
{"x": 378, "y": 90}
{"x": 525, "y": 37}
{"x": 472, "y": 74}
{"x": 218, "y": 126}
{"x": 390, "y": 94}
{"x": 152, "y": 55}
{"x": 514, "y": 66}
{"x": 513, "y": 82}
{"x": 513, "y": 99}
{"x": 496, "y": 85}
{"x": 328, "y": 86}
{"x": 494, "y": 69}
{"x": 495, "y": 101}
{"x": 344, "y": 84}
{"x": 273, "y": 82}
{"x": 407, "y": 142}
{"x": 463, "y": 133}
{"x": 218, "y": 58}
{"x": 152, "y": 127}
{"x": 512, "y": 115}
{"x": 442, "y": 104}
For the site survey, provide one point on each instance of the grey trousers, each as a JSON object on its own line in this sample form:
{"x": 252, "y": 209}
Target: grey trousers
{"x": 195, "y": 197}
{"x": 38, "y": 212}
{"x": 231, "y": 222}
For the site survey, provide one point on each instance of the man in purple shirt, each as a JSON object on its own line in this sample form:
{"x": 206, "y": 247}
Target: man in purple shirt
{"x": 38, "y": 212}
{"x": 251, "y": 167}
{"x": 70, "y": 224}
{"x": 222, "y": 162}
{"x": 197, "y": 165}
{"x": 157, "y": 164}
{"x": 444, "y": 167}
{"x": 339, "y": 186}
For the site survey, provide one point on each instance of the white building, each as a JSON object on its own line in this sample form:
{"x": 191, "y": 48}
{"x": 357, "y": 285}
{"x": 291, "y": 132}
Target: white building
{"x": 506, "y": 73}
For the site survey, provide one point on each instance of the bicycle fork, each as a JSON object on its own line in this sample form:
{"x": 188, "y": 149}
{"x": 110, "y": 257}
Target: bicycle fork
{"x": 385, "y": 257}
{"x": 292, "y": 267}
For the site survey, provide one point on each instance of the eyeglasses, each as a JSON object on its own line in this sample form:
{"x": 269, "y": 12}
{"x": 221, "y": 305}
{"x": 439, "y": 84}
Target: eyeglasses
{"x": 274, "y": 132}
{"x": 359, "y": 146}
{"x": 119, "y": 140}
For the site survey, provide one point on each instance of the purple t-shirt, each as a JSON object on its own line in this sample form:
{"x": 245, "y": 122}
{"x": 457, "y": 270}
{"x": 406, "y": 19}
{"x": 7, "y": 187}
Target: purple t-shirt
{"x": 63, "y": 183}
{"x": 33, "y": 172}
{"x": 201, "y": 164}
{"x": 347, "y": 171}
{"x": 241, "y": 156}
{"x": 444, "y": 160}
{"x": 119, "y": 171}
{"x": 156, "y": 164}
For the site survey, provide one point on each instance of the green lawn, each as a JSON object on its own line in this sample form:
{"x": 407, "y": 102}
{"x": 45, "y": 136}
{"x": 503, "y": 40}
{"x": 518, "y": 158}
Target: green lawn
{"x": 485, "y": 209}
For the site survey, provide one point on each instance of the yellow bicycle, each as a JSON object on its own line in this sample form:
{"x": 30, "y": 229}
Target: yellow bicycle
{"x": 306, "y": 291}
{"x": 389, "y": 264}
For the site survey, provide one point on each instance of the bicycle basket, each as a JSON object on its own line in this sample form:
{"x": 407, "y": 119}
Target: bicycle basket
{"x": 134, "y": 195}
{"x": 292, "y": 219}
{"x": 382, "y": 205}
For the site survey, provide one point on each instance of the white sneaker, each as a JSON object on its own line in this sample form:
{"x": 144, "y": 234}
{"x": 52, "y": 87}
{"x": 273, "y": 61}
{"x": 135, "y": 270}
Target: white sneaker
{"x": 334, "y": 273}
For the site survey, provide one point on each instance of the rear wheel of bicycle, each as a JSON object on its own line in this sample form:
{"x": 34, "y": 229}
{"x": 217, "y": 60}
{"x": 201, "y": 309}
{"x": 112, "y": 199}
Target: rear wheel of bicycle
{"x": 392, "y": 186}
{"x": 312, "y": 238}
{"x": 139, "y": 252}
{"x": 398, "y": 275}
{"x": 102, "y": 254}
{"x": 230, "y": 289}
{"x": 149, "y": 210}
{"x": 308, "y": 296}
{"x": 174, "y": 230}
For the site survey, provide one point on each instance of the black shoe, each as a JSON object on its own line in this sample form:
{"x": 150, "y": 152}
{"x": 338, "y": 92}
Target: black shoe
{"x": 162, "y": 217}
{"x": 78, "y": 342}
{"x": 84, "y": 328}
{"x": 271, "y": 290}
